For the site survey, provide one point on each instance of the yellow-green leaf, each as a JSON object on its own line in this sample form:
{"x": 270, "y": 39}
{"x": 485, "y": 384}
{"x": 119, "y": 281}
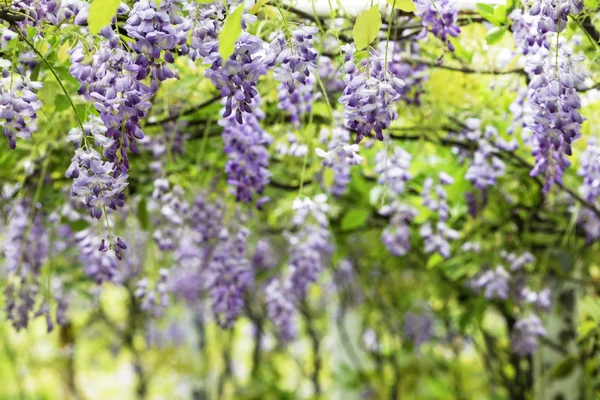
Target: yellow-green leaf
{"x": 404, "y": 5}
{"x": 366, "y": 27}
{"x": 101, "y": 14}
{"x": 257, "y": 6}
{"x": 232, "y": 28}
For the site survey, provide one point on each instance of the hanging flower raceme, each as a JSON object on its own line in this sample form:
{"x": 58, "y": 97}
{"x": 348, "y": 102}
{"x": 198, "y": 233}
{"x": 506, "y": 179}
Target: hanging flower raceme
{"x": 109, "y": 80}
{"x": 18, "y": 105}
{"x": 297, "y": 60}
{"x": 339, "y": 157}
{"x": 439, "y": 16}
{"x": 526, "y": 33}
{"x": 486, "y": 167}
{"x": 396, "y": 236}
{"x": 525, "y": 334}
{"x": 247, "y": 157}
{"x": 590, "y": 189}
{"x": 236, "y": 77}
{"x": 25, "y": 248}
{"x": 94, "y": 182}
{"x": 311, "y": 246}
{"x": 160, "y": 32}
{"x": 369, "y": 96}
{"x": 156, "y": 300}
{"x": 228, "y": 276}
{"x": 556, "y": 122}
{"x": 300, "y": 101}
{"x": 413, "y": 75}
{"x": 392, "y": 170}
{"x": 170, "y": 214}
{"x": 511, "y": 283}
{"x": 437, "y": 237}
{"x": 281, "y": 310}
{"x": 418, "y": 328}
{"x": 554, "y": 14}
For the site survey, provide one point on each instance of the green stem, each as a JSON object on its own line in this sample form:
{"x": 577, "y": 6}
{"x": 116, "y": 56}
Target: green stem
{"x": 41, "y": 56}
{"x": 387, "y": 42}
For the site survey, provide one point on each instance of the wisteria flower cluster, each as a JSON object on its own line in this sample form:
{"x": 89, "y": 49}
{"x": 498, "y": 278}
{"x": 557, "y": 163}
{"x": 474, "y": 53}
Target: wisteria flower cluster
{"x": 393, "y": 174}
{"x": 339, "y": 157}
{"x": 94, "y": 182}
{"x": 110, "y": 81}
{"x": 590, "y": 189}
{"x": 18, "y": 105}
{"x": 159, "y": 33}
{"x": 500, "y": 284}
{"x": 557, "y": 121}
{"x": 440, "y": 17}
{"x": 369, "y": 97}
{"x": 554, "y": 14}
{"x": 437, "y": 237}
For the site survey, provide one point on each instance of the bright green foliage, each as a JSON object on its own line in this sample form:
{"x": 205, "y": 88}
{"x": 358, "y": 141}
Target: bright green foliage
{"x": 366, "y": 28}
{"x": 232, "y": 29}
{"x": 101, "y": 14}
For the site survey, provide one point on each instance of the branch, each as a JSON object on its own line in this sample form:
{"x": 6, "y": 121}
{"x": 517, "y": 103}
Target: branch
{"x": 463, "y": 69}
{"x": 180, "y": 113}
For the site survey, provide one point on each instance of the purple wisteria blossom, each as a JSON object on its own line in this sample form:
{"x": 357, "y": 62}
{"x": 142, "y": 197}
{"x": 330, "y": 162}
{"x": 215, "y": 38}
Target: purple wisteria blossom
{"x": 437, "y": 236}
{"x": 228, "y": 276}
{"x": 18, "y": 106}
{"x": 248, "y": 159}
{"x": 311, "y": 246}
{"x": 440, "y": 17}
{"x": 556, "y": 122}
{"x": 396, "y": 236}
{"x": 236, "y": 77}
{"x": 25, "y": 248}
{"x": 101, "y": 266}
{"x": 526, "y": 34}
{"x": 393, "y": 169}
{"x": 590, "y": 189}
{"x": 110, "y": 80}
{"x": 154, "y": 301}
{"x": 369, "y": 96}
{"x": 94, "y": 182}
{"x": 300, "y": 101}
{"x": 413, "y": 75}
{"x": 297, "y": 62}
{"x": 418, "y": 328}
{"x": 525, "y": 334}
{"x": 554, "y": 14}
{"x": 511, "y": 283}
{"x": 281, "y": 310}
{"x": 159, "y": 32}
{"x": 170, "y": 211}
{"x": 494, "y": 283}
{"x": 339, "y": 157}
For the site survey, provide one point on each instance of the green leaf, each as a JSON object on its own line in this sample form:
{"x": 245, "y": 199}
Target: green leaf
{"x": 366, "y": 28}
{"x": 61, "y": 102}
{"x": 101, "y": 14}
{"x": 564, "y": 367}
{"x": 496, "y": 16}
{"x": 500, "y": 13}
{"x": 355, "y": 218}
{"x": 591, "y": 307}
{"x": 495, "y": 35}
{"x": 435, "y": 260}
{"x": 232, "y": 28}
{"x": 404, "y": 5}
{"x": 483, "y": 8}
{"x": 143, "y": 215}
